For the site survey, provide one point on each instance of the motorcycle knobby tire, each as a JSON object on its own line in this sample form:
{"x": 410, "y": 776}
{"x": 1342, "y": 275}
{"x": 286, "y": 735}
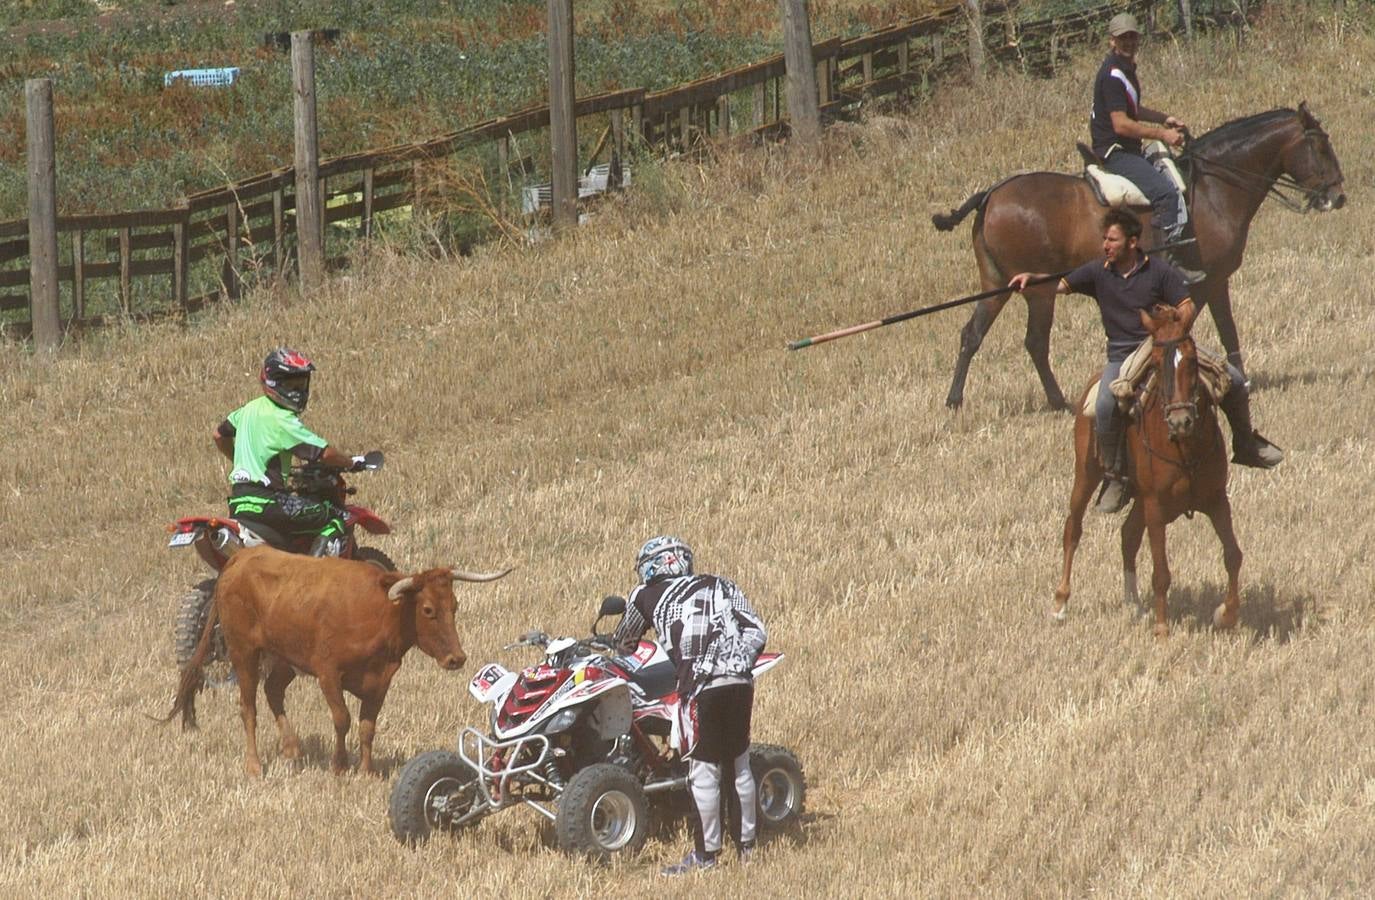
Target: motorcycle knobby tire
{"x": 192, "y": 610}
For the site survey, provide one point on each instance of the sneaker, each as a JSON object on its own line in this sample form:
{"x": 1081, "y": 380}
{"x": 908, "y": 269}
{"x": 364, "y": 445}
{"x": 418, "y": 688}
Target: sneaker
{"x": 1113, "y": 497}
{"x": 693, "y": 862}
{"x": 746, "y": 853}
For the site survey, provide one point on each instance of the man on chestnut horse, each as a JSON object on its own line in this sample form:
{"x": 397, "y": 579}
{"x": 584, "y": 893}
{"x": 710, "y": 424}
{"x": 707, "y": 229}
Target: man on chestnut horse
{"x": 1124, "y": 283}
{"x": 1119, "y": 123}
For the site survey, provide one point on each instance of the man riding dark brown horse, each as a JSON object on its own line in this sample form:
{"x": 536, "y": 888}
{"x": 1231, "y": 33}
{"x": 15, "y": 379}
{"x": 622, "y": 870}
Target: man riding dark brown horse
{"x": 1125, "y": 283}
{"x": 1119, "y": 123}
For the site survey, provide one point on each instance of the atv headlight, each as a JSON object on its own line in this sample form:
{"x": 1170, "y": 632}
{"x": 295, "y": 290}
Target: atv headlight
{"x": 562, "y": 721}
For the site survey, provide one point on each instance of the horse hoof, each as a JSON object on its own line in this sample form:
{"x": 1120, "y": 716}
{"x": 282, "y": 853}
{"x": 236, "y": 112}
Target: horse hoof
{"x": 1162, "y": 632}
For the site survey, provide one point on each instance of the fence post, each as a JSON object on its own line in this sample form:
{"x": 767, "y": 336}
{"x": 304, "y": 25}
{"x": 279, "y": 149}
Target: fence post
{"x": 803, "y": 107}
{"x": 365, "y": 225}
{"x": 974, "y": 13}
{"x": 126, "y": 274}
{"x": 43, "y": 309}
{"x": 231, "y": 250}
{"x": 1186, "y": 16}
{"x": 310, "y": 228}
{"x": 180, "y": 263}
{"x": 563, "y": 127}
{"x": 79, "y": 274}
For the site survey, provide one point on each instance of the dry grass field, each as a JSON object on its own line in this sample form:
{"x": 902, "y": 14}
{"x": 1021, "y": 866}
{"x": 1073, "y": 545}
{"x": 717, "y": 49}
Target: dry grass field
{"x": 552, "y": 407}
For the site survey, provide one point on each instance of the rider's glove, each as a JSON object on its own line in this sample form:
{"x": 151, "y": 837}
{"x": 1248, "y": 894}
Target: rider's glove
{"x": 359, "y": 464}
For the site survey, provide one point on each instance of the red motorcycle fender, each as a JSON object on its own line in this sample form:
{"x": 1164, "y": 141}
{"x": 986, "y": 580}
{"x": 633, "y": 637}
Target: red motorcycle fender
{"x": 371, "y": 522}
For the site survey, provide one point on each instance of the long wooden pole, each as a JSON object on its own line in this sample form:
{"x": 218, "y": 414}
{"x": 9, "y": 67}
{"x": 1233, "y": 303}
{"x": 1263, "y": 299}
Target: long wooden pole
{"x": 563, "y": 136}
{"x": 948, "y": 304}
{"x": 42, "y": 156}
{"x": 803, "y": 103}
{"x": 310, "y": 227}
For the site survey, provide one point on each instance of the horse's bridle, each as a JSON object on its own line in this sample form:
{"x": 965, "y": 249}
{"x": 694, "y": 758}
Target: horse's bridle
{"x": 1276, "y": 187}
{"x": 1167, "y": 365}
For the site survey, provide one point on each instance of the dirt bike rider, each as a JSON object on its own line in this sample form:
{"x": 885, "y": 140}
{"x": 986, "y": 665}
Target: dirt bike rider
{"x": 1125, "y": 282}
{"x": 261, "y": 437}
{"x": 1119, "y": 123}
{"x": 713, "y": 636}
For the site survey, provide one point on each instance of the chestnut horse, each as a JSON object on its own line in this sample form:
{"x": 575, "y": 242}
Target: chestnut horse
{"x": 1046, "y": 222}
{"x": 1178, "y": 466}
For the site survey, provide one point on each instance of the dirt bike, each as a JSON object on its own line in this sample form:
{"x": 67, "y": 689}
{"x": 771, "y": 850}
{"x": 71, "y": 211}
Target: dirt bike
{"x": 584, "y": 738}
{"x": 216, "y": 538}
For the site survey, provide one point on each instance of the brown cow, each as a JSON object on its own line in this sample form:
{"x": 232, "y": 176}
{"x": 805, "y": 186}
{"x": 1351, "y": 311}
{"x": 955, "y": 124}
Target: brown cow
{"x": 347, "y": 623}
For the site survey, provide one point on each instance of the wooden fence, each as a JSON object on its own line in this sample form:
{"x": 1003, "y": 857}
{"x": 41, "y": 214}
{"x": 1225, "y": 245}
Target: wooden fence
{"x": 157, "y": 263}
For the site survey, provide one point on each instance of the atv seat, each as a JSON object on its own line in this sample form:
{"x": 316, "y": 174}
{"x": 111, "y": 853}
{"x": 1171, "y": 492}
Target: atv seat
{"x": 658, "y": 680}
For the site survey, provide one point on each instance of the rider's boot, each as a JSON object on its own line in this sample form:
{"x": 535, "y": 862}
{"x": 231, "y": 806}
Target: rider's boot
{"x": 328, "y": 545}
{"x": 1112, "y": 453}
{"x": 1177, "y": 255}
{"x": 1248, "y": 447}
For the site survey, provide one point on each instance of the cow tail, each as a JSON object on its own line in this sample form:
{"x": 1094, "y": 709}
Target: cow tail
{"x": 948, "y": 223}
{"x": 192, "y": 676}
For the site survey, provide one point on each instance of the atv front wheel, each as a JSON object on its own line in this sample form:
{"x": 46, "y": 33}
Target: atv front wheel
{"x": 603, "y": 811}
{"x": 780, "y": 787}
{"x": 431, "y": 791}
{"x": 192, "y": 610}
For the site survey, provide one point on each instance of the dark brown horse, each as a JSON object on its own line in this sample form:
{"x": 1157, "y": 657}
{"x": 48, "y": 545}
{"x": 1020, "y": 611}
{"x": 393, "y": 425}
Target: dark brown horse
{"x": 1048, "y": 222}
{"x": 1178, "y": 466}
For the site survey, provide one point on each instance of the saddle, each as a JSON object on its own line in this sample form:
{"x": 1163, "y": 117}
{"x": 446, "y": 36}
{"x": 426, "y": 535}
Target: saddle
{"x": 1114, "y": 190}
{"x": 1136, "y": 373}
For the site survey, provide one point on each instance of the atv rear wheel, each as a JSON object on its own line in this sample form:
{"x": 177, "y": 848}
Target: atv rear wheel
{"x": 192, "y": 610}
{"x": 430, "y": 792}
{"x": 603, "y": 811}
{"x": 780, "y": 787}
{"x": 376, "y": 557}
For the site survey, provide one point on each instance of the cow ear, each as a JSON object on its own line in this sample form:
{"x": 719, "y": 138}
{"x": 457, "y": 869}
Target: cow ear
{"x": 399, "y": 585}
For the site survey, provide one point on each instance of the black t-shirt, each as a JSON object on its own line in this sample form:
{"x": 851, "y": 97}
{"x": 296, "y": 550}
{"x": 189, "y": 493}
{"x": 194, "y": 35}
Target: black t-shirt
{"x": 1122, "y": 297}
{"x": 1115, "y": 88}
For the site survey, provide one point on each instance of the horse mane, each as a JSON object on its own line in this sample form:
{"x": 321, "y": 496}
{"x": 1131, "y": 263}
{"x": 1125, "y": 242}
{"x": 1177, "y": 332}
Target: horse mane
{"x": 1228, "y": 132}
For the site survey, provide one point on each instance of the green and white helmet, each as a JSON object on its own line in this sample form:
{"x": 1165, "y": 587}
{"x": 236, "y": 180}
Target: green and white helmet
{"x": 663, "y": 556}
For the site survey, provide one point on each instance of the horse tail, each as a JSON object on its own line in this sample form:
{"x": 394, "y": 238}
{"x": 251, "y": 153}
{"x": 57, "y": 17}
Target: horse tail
{"x": 192, "y": 676}
{"x": 948, "y": 223}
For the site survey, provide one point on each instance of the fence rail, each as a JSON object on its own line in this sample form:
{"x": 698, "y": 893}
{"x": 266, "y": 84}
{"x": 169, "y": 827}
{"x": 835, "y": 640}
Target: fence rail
{"x": 148, "y": 264}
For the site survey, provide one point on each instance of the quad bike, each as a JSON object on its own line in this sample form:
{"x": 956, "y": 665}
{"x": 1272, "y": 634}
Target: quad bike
{"x": 216, "y": 538}
{"x": 584, "y": 738}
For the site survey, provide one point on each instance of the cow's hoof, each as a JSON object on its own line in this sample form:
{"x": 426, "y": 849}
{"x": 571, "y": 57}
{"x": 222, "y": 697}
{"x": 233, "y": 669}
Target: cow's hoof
{"x": 1059, "y": 614}
{"x": 1224, "y": 619}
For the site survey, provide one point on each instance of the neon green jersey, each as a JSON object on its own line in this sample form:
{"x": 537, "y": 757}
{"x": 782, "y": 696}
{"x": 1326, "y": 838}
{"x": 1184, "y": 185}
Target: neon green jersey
{"x": 265, "y": 436}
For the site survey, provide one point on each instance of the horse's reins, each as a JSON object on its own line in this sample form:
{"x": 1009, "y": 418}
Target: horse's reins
{"x": 1273, "y": 187}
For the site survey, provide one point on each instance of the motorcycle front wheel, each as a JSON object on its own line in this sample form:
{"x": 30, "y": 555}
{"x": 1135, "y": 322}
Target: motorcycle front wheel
{"x": 193, "y": 608}
{"x": 603, "y": 811}
{"x": 376, "y": 557}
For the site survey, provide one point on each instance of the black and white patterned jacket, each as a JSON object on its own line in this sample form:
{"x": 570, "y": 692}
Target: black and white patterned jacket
{"x": 705, "y": 624}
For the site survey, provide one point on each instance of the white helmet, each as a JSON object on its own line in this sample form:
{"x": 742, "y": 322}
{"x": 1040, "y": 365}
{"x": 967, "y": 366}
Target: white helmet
{"x": 662, "y": 556}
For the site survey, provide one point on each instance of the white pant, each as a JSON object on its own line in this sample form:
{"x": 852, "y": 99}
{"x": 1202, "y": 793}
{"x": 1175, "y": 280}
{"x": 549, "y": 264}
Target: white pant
{"x": 705, "y": 779}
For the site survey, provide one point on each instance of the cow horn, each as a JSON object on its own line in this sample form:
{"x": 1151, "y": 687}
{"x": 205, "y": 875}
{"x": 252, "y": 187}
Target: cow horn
{"x": 459, "y": 575}
{"x": 405, "y": 584}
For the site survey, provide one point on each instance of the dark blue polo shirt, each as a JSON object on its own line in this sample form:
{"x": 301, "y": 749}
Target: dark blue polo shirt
{"x": 1121, "y": 298}
{"x": 1115, "y": 88}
